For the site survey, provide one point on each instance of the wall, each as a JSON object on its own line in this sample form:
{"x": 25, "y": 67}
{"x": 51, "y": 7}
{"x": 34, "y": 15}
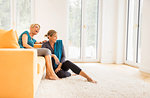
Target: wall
{"x": 113, "y": 31}
{"x": 121, "y": 32}
{"x": 109, "y": 29}
{"x": 51, "y": 14}
{"x": 145, "y": 37}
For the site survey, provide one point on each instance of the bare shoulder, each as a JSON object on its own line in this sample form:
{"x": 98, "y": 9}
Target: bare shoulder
{"x": 24, "y": 35}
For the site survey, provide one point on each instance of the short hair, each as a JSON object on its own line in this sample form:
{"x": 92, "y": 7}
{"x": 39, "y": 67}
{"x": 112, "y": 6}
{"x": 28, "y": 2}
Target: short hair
{"x": 33, "y": 25}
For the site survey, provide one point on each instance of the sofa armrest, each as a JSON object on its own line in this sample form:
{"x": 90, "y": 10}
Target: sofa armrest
{"x": 37, "y": 45}
{"x": 17, "y": 68}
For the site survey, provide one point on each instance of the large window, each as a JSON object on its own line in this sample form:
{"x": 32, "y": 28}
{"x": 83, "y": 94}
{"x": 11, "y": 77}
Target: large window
{"x": 83, "y": 30}
{"x": 5, "y": 14}
{"x": 15, "y": 14}
{"x": 74, "y": 29}
{"x": 23, "y": 15}
{"x": 133, "y": 32}
{"x": 90, "y": 21}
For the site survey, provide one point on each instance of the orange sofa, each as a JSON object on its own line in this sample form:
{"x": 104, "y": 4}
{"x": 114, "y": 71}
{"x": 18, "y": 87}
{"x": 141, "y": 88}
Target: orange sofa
{"x": 21, "y": 71}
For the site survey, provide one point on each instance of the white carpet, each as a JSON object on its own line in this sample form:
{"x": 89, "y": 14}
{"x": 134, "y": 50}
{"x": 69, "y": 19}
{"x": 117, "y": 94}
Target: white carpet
{"x": 114, "y": 81}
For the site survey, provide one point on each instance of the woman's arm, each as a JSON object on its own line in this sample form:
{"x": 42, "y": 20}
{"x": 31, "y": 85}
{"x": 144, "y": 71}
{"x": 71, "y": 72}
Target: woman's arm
{"x": 40, "y": 42}
{"x": 25, "y": 40}
{"x": 58, "y": 68}
{"x": 63, "y": 57}
{"x": 46, "y": 45}
{"x": 62, "y": 60}
{"x": 55, "y": 58}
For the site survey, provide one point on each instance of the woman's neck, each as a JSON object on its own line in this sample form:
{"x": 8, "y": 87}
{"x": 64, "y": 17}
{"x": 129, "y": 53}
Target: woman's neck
{"x": 31, "y": 35}
{"x": 51, "y": 43}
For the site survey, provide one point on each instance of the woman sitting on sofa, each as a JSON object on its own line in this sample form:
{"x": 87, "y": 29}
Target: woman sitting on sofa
{"x": 61, "y": 66}
{"x": 26, "y": 41}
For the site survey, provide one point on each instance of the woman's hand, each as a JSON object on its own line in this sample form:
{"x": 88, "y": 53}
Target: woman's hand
{"x": 57, "y": 69}
{"x": 56, "y": 59}
{"x": 42, "y": 42}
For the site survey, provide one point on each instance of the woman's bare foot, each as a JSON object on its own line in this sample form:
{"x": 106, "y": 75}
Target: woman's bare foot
{"x": 92, "y": 81}
{"x": 87, "y": 77}
{"x": 51, "y": 77}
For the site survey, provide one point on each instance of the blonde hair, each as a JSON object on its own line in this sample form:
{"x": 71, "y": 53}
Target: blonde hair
{"x": 50, "y": 33}
{"x": 33, "y": 25}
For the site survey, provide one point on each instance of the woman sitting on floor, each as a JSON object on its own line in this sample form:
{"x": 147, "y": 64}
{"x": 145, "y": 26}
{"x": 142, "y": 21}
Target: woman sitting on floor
{"x": 61, "y": 66}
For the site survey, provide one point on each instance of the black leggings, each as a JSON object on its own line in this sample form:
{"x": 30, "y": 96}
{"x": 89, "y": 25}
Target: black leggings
{"x": 65, "y": 67}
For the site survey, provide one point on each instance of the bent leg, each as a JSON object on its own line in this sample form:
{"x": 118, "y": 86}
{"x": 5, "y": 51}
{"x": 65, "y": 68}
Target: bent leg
{"x": 83, "y": 74}
{"x": 50, "y": 74}
{"x": 63, "y": 74}
{"x": 76, "y": 70}
{"x": 69, "y": 65}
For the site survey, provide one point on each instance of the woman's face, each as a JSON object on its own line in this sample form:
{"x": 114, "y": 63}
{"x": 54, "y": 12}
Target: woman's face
{"x": 35, "y": 30}
{"x": 53, "y": 38}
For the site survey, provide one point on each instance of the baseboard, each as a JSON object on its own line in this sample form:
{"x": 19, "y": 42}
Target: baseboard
{"x": 107, "y": 61}
{"x": 146, "y": 70}
{"x": 117, "y": 61}
{"x": 144, "y": 73}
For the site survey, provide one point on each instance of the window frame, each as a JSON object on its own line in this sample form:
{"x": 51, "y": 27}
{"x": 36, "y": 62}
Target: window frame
{"x": 135, "y": 62}
{"x": 82, "y": 45}
{"x": 14, "y": 11}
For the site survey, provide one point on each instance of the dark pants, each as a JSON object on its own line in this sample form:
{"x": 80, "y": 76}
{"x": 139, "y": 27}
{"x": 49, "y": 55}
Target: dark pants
{"x": 65, "y": 67}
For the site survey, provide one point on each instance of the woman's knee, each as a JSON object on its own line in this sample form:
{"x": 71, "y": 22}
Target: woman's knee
{"x": 46, "y": 51}
{"x": 67, "y": 61}
{"x": 63, "y": 74}
{"x": 67, "y": 74}
{"x": 43, "y": 51}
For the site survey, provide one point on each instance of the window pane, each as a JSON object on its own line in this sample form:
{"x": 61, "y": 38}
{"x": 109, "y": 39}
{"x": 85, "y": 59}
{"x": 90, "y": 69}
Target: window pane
{"x": 139, "y": 34}
{"x": 23, "y": 11}
{"x": 132, "y": 30}
{"x": 139, "y": 49}
{"x": 90, "y": 28}
{"x": 5, "y": 14}
{"x": 74, "y": 31}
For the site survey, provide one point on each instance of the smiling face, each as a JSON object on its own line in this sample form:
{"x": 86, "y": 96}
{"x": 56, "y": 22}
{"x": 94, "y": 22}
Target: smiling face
{"x": 34, "y": 29}
{"x": 53, "y": 38}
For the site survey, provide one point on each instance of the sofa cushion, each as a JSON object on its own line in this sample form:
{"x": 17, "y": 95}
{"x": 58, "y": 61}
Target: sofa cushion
{"x": 40, "y": 64}
{"x": 39, "y": 72}
{"x": 37, "y": 45}
{"x": 8, "y": 39}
